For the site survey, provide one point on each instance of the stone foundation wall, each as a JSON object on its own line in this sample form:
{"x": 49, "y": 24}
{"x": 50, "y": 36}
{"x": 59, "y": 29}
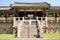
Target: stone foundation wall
{"x": 6, "y": 28}
{"x": 53, "y": 27}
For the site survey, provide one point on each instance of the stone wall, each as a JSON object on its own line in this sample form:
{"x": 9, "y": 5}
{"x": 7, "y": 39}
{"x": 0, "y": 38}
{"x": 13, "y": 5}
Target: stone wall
{"x": 6, "y": 28}
{"x": 53, "y": 27}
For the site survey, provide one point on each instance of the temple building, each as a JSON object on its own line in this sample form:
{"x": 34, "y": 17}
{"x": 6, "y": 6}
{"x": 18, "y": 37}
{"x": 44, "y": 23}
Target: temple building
{"x": 30, "y": 20}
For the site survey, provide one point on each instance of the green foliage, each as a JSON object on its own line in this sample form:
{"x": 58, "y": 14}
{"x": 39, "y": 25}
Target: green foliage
{"x": 44, "y": 35}
{"x": 51, "y": 35}
{"x": 7, "y": 35}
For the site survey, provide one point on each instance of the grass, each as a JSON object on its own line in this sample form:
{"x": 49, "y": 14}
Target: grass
{"x": 51, "y": 35}
{"x": 44, "y": 35}
{"x": 7, "y": 35}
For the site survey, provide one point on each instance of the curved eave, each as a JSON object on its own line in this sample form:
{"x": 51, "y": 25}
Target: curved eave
{"x": 30, "y": 6}
{"x": 6, "y": 8}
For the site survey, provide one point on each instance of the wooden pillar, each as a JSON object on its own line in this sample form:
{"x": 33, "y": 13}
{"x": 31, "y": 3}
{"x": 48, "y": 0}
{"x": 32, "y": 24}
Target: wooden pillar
{"x": 35, "y": 12}
{"x": 3, "y": 13}
{"x": 25, "y": 12}
{"x": 17, "y": 12}
{"x": 54, "y": 13}
{"x": 46, "y": 13}
{"x": 43, "y": 14}
{"x": 14, "y": 12}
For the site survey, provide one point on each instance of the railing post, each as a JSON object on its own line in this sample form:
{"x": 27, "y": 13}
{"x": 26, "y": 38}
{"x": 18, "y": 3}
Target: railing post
{"x": 4, "y": 19}
{"x": 29, "y": 26}
{"x": 23, "y": 18}
{"x": 30, "y": 22}
{"x": 57, "y": 23}
{"x": 46, "y": 22}
{"x": 14, "y": 19}
{"x": 40, "y": 27}
{"x": 41, "y": 18}
{"x": 57, "y": 19}
{"x": 37, "y": 18}
{"x": 19, "y": 30}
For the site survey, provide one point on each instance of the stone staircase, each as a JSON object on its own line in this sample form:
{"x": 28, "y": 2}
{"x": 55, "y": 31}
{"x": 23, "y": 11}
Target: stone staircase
{"x": 28, "y": 30}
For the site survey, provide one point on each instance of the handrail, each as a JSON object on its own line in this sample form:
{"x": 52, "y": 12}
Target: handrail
{"x": 37, "y": 26}
{"x": 19, "y": 29}
{"x": 28, "y": 19}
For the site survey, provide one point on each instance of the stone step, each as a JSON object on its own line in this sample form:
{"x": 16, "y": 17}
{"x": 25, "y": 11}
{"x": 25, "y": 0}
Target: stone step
{"x": 29, "y": 31}
{"x": 27, "y": 23}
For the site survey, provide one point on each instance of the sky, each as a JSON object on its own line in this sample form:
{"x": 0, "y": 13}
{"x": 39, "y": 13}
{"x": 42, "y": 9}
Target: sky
{"x": 8, "y": 2}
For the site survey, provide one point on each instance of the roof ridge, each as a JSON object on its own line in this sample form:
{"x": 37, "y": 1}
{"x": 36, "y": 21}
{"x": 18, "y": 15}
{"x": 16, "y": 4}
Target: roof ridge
{"x": 29, "y": 2}
{"x": 4, "y": 6}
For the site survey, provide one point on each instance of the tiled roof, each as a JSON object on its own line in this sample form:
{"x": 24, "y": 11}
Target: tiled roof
{"x": 5, "y": 7}
{"x": 30, "y": 4}
{"x": 55, "y": 7}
